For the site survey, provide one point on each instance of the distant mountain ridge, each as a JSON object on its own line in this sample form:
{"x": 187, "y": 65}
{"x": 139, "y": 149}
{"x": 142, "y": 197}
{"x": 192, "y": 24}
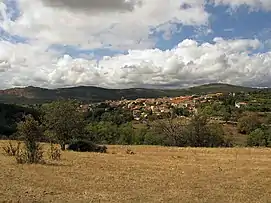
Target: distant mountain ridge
{"x": 32, "y": 95}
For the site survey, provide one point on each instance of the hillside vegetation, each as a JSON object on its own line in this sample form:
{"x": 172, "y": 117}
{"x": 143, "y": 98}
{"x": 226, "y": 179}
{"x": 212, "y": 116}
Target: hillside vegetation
{"x": 36, "y": 95}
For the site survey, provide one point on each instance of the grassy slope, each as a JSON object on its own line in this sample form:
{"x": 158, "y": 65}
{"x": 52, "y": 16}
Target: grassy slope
{"x": 153, "y": 174}
{"x": 95, "y": 94}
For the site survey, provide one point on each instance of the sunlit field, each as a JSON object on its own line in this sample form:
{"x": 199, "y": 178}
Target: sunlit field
{"x": 152, "y": 174}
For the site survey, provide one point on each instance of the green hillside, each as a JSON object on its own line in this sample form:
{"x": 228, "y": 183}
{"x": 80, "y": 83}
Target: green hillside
{"x": 35, "y": 95}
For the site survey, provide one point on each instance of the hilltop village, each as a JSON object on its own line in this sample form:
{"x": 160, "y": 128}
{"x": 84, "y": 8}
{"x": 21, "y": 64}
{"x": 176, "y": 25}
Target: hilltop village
{"x": 143, "y": 108}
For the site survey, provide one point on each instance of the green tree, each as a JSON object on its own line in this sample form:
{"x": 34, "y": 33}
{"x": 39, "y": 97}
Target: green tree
{"x": 117, "y": 116}
{"x": 207, "y": 110}
{"x": 197, "y": 131}
{"x": 226, "y": 113}
{"x": 103, "y": 132}
{"x": 180, "y": 111}
{"x": 248, "y": 123}
{"x": 127, "y": 134}
{"x": 258, "y": 138}
{"x": 64, "y": 120}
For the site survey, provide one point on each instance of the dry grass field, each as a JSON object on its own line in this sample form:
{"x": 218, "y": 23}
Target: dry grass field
{"x": 152, "y": 174}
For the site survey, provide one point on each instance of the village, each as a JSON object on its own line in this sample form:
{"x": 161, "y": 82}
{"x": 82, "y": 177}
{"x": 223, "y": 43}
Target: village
{"x": 143, "y": 108}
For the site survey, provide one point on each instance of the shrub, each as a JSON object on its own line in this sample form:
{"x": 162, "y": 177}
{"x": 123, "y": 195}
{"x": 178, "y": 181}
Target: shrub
{"x": 54, "y": 153}
{"x": 21, "y": 157}
{"x": 86, "y": 146}
{"x": 258, "y": 138}
{"x": 248, "y": 123}
{"x": 127, "y": 135}
{"x": 11, "y": 150}
{"x": 104, "y": 132}
{"x": 129, "y": 151}
{"x": 30, "y": 132}
{"x": 171, "y": 130}
{"x": 139, "y": 136}
{"x": 33, "y": 154}
{"x": 216, "y": 137}
{"x": 153, "y": 139}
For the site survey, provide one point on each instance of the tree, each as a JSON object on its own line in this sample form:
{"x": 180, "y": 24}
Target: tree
{"x": 172, "y": 130}
{"x": 117, "y": 116}
{"x": 226, "y": 113}
{"x": 258, "y": 138}
{"x": 64, "y": 120}
{"x": 180, "y": 111}
{"x": 197, "y": 131}
{"x": 30, "y": 132}
{"x": 207, "y": 110}
{"x": 248, "y": 123}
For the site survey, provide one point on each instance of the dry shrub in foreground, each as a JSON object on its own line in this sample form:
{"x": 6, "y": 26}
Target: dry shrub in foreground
{"x": 54, "y": 153}
{"x": 30, "y": 132}
{"x": 129, "y": 151}
{"x": 10, "y": 149}
{"x": 30, "y": 156}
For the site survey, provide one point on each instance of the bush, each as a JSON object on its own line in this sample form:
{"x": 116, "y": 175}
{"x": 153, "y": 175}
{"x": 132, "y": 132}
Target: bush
{"x": 172, "y": 132}
{"x": 129, "y": 151}
{"x": 12, "y": 150}
{"x": 248, "y": 123}
{"x": 216, "y": 137}
{"x": 139, "y": 136}
{"x": 259, "y": 138}
{"x": 30, "y": 155}
{"x": 153, "y": 139}
{"x": 104, "y": 132}
{"x": 86, "y": 146}
{"x": 54, "y": 153}
{"x": 127, "y": 135}
{"x": 30, "y": 132}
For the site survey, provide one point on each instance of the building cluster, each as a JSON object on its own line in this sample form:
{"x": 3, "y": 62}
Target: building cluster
{"x": 142, "y": 108}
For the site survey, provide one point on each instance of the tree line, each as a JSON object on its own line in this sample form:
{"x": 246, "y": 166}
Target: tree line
{"x": 62, "y": 122}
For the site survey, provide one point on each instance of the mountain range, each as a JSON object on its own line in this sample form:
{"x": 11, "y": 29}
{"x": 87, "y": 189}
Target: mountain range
{"x": 37, "y": 95}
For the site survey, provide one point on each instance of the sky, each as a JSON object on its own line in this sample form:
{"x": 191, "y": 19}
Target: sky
{"x": 134, "y": 43}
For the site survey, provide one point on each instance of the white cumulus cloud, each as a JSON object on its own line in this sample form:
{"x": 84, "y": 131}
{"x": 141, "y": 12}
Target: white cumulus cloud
{"x": 126, "y": 25}
{"x": 189, "y": 63}
{"x": 119, "y": 30}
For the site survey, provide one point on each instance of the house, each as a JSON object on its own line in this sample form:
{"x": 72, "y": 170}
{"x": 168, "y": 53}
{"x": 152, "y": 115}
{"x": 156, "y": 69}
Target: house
{"x": 240, "y": 104}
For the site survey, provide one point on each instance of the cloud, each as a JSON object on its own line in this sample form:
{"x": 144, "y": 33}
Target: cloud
{"x": 90, "y": 30}
{"x": 94, "y": 5}
{"x": 189, "y": 63}
{"x": 229, "y": 29}
{"x": 106, "y": 24}
{"x": 4, "y": 66}
{"x": 253, "y": 5}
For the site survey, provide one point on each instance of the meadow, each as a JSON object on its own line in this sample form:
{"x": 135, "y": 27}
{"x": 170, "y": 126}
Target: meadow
{"x": 152, "y": 174}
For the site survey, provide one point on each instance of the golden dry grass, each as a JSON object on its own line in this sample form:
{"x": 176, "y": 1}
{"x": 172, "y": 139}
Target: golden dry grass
{"x": 152, "y": 174}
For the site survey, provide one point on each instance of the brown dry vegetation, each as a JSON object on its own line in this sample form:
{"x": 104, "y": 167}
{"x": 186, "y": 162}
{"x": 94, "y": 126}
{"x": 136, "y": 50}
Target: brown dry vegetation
{"x": 152, "y": 174}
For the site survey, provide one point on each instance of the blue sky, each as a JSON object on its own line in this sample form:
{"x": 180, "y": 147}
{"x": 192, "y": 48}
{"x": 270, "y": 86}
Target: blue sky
{"x": 146, "y": 38}
{"x": 238, "y": 25}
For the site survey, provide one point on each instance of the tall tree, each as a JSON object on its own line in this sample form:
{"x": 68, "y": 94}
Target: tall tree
{"x": 63, "y": 120}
